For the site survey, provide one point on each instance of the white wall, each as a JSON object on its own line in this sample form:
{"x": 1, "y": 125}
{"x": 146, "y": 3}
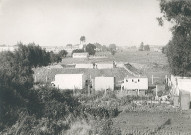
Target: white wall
{"x": 80, "y": 55}
{"x": 84, "y": 66}
{"x": 184, "y": 84}
{"x": 102, "y": 83}
{"x": 69, "y": 81}
{"x": 135, "y": 83}
{"x": 7, "y": 48}
{"x": 180, "y": 83}
{"x": 104, "y": 66}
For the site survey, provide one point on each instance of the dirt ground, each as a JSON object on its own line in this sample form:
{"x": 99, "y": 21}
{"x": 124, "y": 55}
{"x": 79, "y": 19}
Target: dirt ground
{"x": 154, "y": 123}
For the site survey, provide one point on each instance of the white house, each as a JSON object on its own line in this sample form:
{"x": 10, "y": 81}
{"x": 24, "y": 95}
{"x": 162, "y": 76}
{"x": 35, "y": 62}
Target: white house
{"x": 80, "y": 55}
{"x": 69, "y": 81}
{"x": 104, "y": 83}
{"x": 135, "y": 83}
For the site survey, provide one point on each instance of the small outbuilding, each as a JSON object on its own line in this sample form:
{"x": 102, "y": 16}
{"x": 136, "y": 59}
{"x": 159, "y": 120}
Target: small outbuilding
{"x": 104, "y": 83}
{"x": 69, "y": 81}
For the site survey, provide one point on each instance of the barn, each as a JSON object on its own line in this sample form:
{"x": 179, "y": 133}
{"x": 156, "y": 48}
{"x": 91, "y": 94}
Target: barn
{"x": 69, "y": 81}
{"x": 80, "y": 55}
{"x": 104, "y": 83}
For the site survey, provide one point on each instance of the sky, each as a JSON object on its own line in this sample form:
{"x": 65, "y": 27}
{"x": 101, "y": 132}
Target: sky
{"x": 60, "y": 22}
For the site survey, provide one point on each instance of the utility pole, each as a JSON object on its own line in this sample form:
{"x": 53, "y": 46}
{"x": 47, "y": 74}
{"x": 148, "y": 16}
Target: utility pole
{"x": 166, "y": 78}
{"x": 156, "y": 97}
{"x": 152, "y": 79}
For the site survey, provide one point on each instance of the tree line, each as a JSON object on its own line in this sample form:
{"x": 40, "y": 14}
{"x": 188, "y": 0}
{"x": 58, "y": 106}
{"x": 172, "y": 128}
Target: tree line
{"x": 16, "y": 78}
{"x": 91, "y": 49}
{"x": 178, "y": 50}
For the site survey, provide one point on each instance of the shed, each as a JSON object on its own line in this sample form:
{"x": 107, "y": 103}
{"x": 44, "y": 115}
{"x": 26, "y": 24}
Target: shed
{"x": 80, "y": 55}
{"x": 69, "y": 81}
{"x": 104, "y": 83}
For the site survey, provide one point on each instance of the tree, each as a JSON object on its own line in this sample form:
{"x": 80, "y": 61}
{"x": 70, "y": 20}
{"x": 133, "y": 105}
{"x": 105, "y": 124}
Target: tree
{"x": 55, "y": 58}
{"x": 104, "y": 48}
{"x": 78, "y": 51}
{"x": 63, "y": 53}
{"x": 82, "y": 39}
{"x": 141, "y": 47}
{"x": 179, "y": 48}
{"x": 146, "y": 48}
{"x": 112, "y": 48}
{"x": 164, "y": 49}
{"x": 90, "y": 48}
{"x": 16, "y": 79}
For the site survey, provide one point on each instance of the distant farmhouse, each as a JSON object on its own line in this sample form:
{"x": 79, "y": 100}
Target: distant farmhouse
{"x": 69, "y": 47}
{"x": 54, "y": 49}
{"x": 7, "y": 48}
{"x": 80, "y": 55}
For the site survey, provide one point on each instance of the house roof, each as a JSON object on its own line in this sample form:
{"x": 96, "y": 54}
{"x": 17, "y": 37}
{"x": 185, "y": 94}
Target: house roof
{"x": 118, "y": 73}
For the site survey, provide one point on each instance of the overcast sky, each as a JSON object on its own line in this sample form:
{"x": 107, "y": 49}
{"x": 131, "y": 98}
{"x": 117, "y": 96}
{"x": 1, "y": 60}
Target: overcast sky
{"x": 59, "y": 22}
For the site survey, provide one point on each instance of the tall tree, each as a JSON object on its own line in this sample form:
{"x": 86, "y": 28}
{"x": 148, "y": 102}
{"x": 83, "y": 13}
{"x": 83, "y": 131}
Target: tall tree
{"x": 146, "y": 48}
{"x": 90, "y": 48}
{"x": 112, "y": 48}
{"x": 141, "y": 47}
{"x": 179, "y": 48}
{"x": 63, "y": 53}
{"x": 82, "y": 39}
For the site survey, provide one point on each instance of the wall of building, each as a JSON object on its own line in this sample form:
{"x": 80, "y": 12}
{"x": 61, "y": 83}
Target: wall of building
{"x": 80, "y": 55}
{"x": 135, "y": 83}
{"x": 102, "y": 83}
{"x": 84, "y": 66}
{"x": 69, "y": 81}
{"x": 7, "y": 48}
{"x": 103, "y": 66}
{"x": 180, "y": 83}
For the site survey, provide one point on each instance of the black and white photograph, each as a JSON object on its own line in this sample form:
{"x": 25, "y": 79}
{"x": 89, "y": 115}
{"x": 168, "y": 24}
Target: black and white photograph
{"x": 95, "y": 67}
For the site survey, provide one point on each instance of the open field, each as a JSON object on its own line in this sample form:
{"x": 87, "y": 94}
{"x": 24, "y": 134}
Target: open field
{"x": 155, "y": 123}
